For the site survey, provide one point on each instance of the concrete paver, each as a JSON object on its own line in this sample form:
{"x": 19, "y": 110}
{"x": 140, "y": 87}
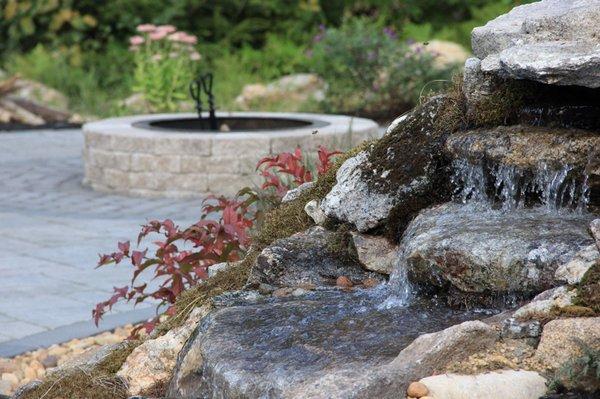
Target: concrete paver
{"x": 52, "y": 229}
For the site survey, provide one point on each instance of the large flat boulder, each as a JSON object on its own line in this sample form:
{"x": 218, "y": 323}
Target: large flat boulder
{"x": 404, "y": 171}
{"x": 550, "y": 41}
{"x": 475, "y": 250}
{"x": 326, "y": 344}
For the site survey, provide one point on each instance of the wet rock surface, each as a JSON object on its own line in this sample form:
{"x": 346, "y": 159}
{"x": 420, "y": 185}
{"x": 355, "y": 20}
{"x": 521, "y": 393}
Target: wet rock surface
{"x": 315, "y": 346}
{"x": 595, "y": 230}
{"x": 311, "y": 257}
{"x": 402, "y": 171}
{"x": 550, "y": 41}
{"x": 525, "y": 164}
{"x": 477, "y": 250}
{"x": 526, "y": 147}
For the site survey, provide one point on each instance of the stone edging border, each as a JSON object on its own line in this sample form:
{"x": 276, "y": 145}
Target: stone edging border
{"x": 81, "y": 329}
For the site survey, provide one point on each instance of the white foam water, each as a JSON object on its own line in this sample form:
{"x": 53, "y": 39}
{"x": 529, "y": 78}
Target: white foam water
{"x": 508, "y": 187}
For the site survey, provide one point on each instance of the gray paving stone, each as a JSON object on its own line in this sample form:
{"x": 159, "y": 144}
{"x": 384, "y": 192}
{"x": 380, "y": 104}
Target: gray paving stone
{"x": 17, "y": 329}
{"x": 53, "y": 229}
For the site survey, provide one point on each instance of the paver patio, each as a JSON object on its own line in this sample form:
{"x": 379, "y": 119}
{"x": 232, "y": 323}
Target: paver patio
{"x": 52, "y": 229}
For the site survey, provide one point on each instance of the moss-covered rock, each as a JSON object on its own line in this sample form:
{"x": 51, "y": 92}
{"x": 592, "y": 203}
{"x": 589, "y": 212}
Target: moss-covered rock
{"x": 404, "y": 170}
{"x": 94, "y": 378}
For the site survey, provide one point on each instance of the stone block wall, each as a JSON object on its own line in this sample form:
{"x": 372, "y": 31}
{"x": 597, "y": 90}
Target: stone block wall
{"x": 124, "y": 159}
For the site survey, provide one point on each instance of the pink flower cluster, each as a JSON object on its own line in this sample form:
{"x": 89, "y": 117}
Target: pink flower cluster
{"x": 154, "y": 33}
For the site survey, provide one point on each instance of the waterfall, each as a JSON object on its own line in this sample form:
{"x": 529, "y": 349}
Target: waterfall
{"x": 400, "y": 288}
{"x": 508, "y": 187}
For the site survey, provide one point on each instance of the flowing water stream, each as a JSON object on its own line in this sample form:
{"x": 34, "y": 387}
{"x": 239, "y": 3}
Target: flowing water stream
{"x": 507, "y": 187}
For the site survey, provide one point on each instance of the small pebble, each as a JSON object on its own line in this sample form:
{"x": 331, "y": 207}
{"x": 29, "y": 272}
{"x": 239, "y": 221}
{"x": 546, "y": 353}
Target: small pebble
{"x": 5, "y": 387}
{"x": 33, "y": 366}
{"x": 11, "y": 378}
{"x": 50, "y": 361}
{"x": 7, "y": 366}
{"x": 299, "y": 292}
{"x": 417, "y": 389}
{"x": 344, "y": 282}
{"x": 370, "y": 283}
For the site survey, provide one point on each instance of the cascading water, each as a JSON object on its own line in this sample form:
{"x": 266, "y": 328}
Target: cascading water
{"x": 497, "y": 189}
{"x": 508, "y": 187}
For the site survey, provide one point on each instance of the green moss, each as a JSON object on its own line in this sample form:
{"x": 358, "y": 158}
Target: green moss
{"x": 588, "y": 291}
{"x": 98, "y": 382}
{"x": 573, "y": 311}
{"x": 341, "y": 244}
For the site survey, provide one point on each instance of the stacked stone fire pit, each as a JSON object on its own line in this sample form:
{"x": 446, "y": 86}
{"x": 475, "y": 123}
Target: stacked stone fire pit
{"x": 172, "y": 155}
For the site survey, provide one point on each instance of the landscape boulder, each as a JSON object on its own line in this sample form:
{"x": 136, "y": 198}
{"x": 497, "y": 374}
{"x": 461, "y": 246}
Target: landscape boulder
{"x": 549, "y": 41}
{"x": 295, "y": 89}
{"x": 148, "y": 369}
{"x": 322, "y": 344}
{"x": 404, "y": 171}
{"x": 542, "y": 306}
{"x": 472, "y": 250}
{"x": 562, "y": 340}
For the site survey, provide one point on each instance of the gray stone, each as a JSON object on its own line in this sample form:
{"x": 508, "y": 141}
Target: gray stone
{"x": 550, "y": 41}
{"x": 476, "y": 250}
{"x": 543, "y": 304}
{"x": 573, "y": 271}
{"x": 477, "y": 84}
{"x": 351, "y": 200}
{"x": 514, "y": 329}
{"x": 24, "y": 390}
{"x": 316, "y": 214}
{"x": 324, "y": 344}
{"x": 297, "y": 192}
{"x": 503, "y": 384}
{"x": 562, "y": 63}
{"x": 375, "y": 253}
{"x": 405, "y": 170}
{"x": 219, "y": 267}
{"x": 306, "y": 258}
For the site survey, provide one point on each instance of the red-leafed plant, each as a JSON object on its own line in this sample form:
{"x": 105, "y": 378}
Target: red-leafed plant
{"x": 182, "y": 256}
{"x": 289, "y": 169}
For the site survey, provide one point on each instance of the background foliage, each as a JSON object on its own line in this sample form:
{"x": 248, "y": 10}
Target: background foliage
{"x": 80, "y": 46}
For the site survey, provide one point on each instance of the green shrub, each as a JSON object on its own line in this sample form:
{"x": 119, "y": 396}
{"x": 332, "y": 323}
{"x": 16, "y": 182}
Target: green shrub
{"x": 370, "y": 71}
{"x": 165, "y": 64}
